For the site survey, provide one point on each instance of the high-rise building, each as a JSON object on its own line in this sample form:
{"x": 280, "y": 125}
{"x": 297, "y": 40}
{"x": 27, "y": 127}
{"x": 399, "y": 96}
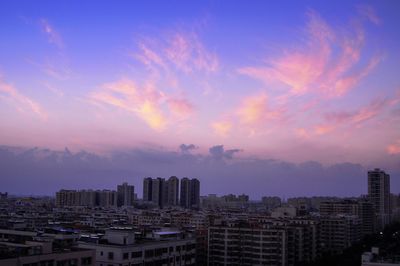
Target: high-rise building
{"x": 379, "y": 195}
{"x": 158, "y": 191}
{"x": 190, "y": 193}
{"x": 147, "y": 189}
{"x": 172, "y": 191}
{"x": 107, "y": 198}
{"x": 185, "y": 192}
{"x": 195, "y": 193}
{"x": 126, "y": 194}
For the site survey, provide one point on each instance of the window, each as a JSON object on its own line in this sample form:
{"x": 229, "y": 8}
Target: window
{"x": 86, "y": 261}
{"x": 101, "y": 253}
{"x": 149, "y": 253}
{"x": 137, "y": 254}
{"x": 110, "y": 255}
{"x": 126, "y": 256}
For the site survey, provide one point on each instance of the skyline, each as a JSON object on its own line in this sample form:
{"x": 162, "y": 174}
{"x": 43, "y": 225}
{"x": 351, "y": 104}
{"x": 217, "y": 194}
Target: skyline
{"x": 217, "y": 91}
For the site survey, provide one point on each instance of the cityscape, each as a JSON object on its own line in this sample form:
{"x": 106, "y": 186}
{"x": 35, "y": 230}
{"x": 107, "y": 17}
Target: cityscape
{"x": 173, "y": 225}
{"x": 201, "y": 133}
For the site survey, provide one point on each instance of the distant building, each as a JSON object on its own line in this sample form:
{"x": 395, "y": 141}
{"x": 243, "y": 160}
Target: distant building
{"x": 190, "y": 193}
{"x": 363, "y": 208}
{"x": 379, "y": 195}
{"x": 271, "y": 202}
{"x": 88, "y": 198}
{"x": 126, "y": 195}
{"x": 107, "y": 198}
{"x": 158, "y": 191}
{"x": 338, "y": 232}
{"x": 173, "y": 191}
{"x": 3, "y": 195}
{"x": 147, "y": 189}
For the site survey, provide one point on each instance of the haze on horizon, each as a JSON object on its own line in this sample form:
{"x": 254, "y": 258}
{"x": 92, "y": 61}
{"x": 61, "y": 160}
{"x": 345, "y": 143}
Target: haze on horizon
{"x": 252, "y": 97}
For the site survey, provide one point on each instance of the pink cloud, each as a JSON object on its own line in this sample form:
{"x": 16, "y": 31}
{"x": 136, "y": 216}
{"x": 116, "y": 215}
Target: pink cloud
{"x": 361, "y": 115}
{"x": 369, "y": 13}
{"x": 146, "y": 102}
{"x": 222, "y": 128}
{"x": 327, "y": 63}
{"x": 187, "y": 53}
{"x": 52, "y": 35}
{"x": 149, "y": 57}
{"x": 254, "y": 110}
{"x": 21, "y": 102}
{"x": 181, "y": 107}
{"x": 323, "y": 129}
{"x": 394, "y": 148}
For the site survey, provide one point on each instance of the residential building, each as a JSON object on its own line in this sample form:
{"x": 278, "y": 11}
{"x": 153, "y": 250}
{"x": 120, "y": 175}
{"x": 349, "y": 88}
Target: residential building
{"x": 126, "y": 195}
{"x": 379, "y": 195}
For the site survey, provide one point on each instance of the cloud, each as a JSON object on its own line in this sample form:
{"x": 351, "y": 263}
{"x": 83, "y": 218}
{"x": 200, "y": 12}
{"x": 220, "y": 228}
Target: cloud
{"x": 146, "y": 102}
{"x": 182, "y": 51}
{"x": 254, "y": 176}
{"x": 21, "y": 102}
{"x": 52, "y": 35}
{"x": 254, "y": 110}
{"x": 394, "y": 148}
{"x": 361, "y": 115}
{"x": 187, "y": 148}
{"x": 187, "y": 53}
{"x": 218, "y": 152}
{"x": 327, "y": 63}
{"x": 180, "y": 107}
{"x": 369, "y": 13}
{"x": 222, "y": 128}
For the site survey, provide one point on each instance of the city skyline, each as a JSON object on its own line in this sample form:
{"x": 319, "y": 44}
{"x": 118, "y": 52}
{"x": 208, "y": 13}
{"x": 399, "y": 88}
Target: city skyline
{"x": 255, "y": 98}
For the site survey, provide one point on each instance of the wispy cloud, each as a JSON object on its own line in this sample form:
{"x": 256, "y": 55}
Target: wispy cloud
{"x": 182, "y": 51}
{"x": 354, "y": 118}
{"x": 154, "y": 107}
{"x": 369, "y": 13}
{"x": 21, "y": 102}
{"x": 52, "y": 34}
{"x": 187, "y": 53}
{"x": 328, "y": 63}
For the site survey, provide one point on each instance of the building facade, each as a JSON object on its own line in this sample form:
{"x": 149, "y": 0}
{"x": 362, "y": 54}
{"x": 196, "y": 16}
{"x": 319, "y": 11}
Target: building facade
{"x": 379, "y": 195}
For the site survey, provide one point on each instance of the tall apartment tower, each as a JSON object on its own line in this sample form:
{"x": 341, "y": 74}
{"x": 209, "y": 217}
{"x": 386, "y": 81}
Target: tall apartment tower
{"x": 147, "y": 189}
{"x": 158, "y": 191}
{"x": 195, "y": 193}
{"x": 126, "y": 194}
{"x": 172, "y": 191}
{"x": 379, "y": 195}
{"x": 190, "y": 193}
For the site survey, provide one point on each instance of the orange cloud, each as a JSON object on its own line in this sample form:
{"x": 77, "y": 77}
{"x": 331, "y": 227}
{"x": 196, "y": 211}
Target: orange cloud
{"x": 222, "y": 128}
{"x": 145, "y": 102}
{"x": 21, "y": 102}
{"x": 255, "y": 110}
{"x": 394, "y": 148}
{"x": 327, "y": 63}
{"x": 323, "y": 129}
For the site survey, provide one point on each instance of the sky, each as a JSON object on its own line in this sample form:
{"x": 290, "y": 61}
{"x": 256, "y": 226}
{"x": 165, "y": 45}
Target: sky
{"x": 222, "y": 90}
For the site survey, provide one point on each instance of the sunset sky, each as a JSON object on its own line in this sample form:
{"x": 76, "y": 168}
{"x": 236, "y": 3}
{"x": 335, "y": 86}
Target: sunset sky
{"x": 294, "y": 81}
